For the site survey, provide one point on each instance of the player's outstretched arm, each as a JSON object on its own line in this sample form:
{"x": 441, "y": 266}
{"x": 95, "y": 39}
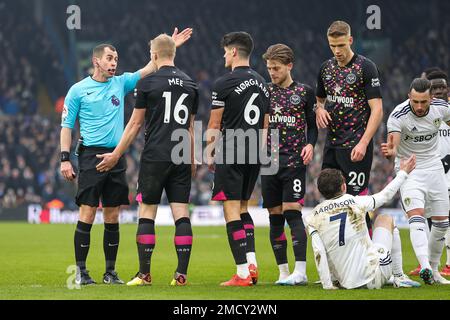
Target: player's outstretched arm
{"x": 389, "y": 148}
{"x": 129, "y": 134}
{"x": 320, "y": 258}
{"x": 180, "y": 38}
{"x": 376, "y": 115}
{"x": 386, "y": 195}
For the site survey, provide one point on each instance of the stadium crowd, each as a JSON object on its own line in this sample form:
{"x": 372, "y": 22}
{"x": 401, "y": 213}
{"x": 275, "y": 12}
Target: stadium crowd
{"x": 29, "y": 140}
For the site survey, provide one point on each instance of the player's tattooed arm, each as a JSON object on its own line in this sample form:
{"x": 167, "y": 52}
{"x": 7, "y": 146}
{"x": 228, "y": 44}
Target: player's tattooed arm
{"x": 376, "y": 115}
{"x": 323, "y": 118}
{"x": 212, "y": 135}
{"x": 265, "y": 130}
{"x": 389, "y": 148}
{"x": 312, "y": 132}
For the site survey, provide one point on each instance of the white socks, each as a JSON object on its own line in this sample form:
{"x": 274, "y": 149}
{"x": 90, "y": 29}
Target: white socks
{"x": 300, "y": 267}
{"x": 284, "y": 271}
{"x": 251, "y": 258}
{"x": 242, "y": 270}
{"x": 419, "y": 240}
{"x": 436, "y": 242}
{"x": 396, "y": 253}
{"x": 382, "y": 236}
{"x": 447, "y": 244}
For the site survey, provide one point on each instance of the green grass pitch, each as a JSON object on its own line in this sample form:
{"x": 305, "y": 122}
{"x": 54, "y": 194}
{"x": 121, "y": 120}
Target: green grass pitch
{"x": 34, "y": 260}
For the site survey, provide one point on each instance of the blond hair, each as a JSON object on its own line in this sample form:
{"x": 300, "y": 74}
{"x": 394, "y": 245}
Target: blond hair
{"x": 163, "y": 45}
{"x": 339, "y": 29}
{"x": 279, "y": 52}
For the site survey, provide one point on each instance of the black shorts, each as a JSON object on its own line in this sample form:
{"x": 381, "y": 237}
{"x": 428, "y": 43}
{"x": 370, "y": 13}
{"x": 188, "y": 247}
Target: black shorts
{"x": 357, "y": 174}
{"x": 111, "y": 187}
{"x": 154, "y": 177}
{"x": 288, "y": 185}
{"x": 234, "y": 181}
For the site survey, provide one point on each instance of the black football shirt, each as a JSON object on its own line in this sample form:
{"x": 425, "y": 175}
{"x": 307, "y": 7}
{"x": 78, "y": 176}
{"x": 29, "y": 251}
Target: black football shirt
{"x": 292, "y": 114}
{"x": 347, "y": 90}
{"x": 171, "y": 98}
{"x": 244, "y": 95}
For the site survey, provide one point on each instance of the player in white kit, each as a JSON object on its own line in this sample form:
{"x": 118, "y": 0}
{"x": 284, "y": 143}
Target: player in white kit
{"x": 440, "y": 90}
{"x": 343, "y": 250}
{"x": 413, "y": 129}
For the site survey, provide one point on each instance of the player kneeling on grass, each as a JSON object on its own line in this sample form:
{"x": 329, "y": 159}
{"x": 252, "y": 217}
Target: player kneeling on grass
{"x": 344, "y": 253}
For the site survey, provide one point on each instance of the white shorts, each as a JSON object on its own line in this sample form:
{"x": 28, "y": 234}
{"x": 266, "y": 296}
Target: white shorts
{"x": 384, "y": 270}
{"x": 426, "y": 189}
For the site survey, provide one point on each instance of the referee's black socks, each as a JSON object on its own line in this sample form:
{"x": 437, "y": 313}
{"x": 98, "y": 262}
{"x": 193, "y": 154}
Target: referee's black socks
{"x": 82, "y": 242}
{"x": 111, "y": 245}
{"x": 298, "y": 233}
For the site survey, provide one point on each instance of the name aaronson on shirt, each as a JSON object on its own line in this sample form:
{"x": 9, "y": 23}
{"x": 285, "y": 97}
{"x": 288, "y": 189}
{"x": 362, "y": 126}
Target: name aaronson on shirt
{"x": 335, "y": 205}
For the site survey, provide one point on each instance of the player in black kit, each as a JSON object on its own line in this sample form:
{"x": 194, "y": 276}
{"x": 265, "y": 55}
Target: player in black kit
{"x": 349, "y": 104}
{"x": 239, "y": 109}
{"x": 291, "y": 113}
{"x": 168, "y": 100}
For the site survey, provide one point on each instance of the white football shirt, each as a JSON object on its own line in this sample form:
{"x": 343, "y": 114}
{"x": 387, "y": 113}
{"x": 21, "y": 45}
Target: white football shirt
{"x": 341, "y": 224}
{"x": 419, "y": 135}
{"x": 444, "y": 143}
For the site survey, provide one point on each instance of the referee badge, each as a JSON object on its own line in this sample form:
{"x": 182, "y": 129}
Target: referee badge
{"x": 351, "y": 78}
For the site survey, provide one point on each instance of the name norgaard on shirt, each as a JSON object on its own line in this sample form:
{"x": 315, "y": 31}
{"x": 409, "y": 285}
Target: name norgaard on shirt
{"x": 335, "y": 205}
{"x": 251, "y": 82}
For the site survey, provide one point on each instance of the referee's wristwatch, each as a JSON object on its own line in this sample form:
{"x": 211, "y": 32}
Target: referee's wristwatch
{"x": 65, "y": 156}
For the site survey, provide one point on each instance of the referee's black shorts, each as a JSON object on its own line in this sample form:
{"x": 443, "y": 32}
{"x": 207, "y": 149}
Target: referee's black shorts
{"x": 110, "y": 187}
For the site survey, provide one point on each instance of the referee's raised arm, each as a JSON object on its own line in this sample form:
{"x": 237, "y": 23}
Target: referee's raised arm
{"x": 180, "y": 38}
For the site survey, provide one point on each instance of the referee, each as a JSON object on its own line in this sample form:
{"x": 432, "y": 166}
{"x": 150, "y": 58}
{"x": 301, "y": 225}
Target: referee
{"x": 98, "y": 102}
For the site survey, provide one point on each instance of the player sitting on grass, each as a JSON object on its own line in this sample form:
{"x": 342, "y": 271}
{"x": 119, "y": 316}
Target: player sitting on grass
{"x": 342, "y": 247}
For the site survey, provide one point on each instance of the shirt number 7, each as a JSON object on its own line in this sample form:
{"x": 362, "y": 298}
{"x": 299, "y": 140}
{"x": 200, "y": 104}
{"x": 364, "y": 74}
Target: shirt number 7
{"x": 343, "y": 217}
